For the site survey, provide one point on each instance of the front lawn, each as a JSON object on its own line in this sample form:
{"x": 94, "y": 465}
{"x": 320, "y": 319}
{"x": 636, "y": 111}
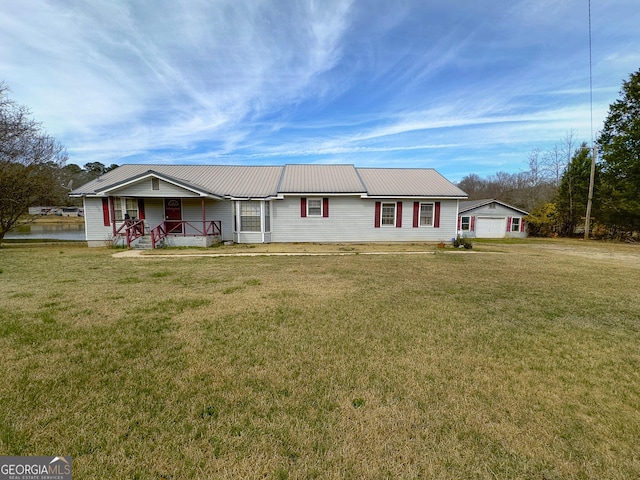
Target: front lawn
{"x": 506, "y": 361}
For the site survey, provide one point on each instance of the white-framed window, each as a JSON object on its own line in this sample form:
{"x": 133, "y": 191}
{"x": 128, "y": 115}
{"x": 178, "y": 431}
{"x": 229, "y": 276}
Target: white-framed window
{"x": 267, "y": 216}
{"x": 515, "y": 224}
{"x": 124, "y": 207}
{"x": 388, "y": 215}
{"x": 465, "y": 223}
{"x": 314, "y": 207}
{"x": 426, "y": 214}
{"x": 250, "y": 216}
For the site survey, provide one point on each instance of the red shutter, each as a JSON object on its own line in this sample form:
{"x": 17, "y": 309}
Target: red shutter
{"x": 508, "y": 224}
{"x": 416, "y": 214}
{"x": 325, "y": 207}
{"x": 376, "y": 220}
{"x": 303, "y": 207}
{"x": 399, "y": 215}
{"x": 141, "y": 208}
{"x": 522, "y": 224}
{"x": 105, "y": 212}
{"x": 472, "y": 227}
{"x": 436, "y": 215}
{"x": 459, "y": 223}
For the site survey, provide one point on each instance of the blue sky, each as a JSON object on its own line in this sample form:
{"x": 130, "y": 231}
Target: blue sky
{"x": 465, "y": 86}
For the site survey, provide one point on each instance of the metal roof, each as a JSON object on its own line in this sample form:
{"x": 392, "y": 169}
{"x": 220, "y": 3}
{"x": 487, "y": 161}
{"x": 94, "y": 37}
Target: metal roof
{"x": 320, "y": 179}
{"x": 219, "y": 180}
{"x": 267, "y": 181}
{"x": 408, "y": 182}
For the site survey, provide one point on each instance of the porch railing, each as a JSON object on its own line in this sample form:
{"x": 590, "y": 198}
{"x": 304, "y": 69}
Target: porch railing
{"x": 179, "y": 228}
{"x": 132, "y": 229}
{"x": 157, "y": 233}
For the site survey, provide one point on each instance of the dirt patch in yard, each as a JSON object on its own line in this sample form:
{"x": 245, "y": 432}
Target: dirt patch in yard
{"x": 628, "y": 254}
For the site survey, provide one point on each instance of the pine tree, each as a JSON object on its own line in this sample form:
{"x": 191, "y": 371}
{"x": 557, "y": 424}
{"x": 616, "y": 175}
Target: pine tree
{"x": 619, "y": 144}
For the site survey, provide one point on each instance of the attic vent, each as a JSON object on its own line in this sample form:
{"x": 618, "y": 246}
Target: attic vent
{"x": 492, "y": 205}
{"x": 155, "y": 184}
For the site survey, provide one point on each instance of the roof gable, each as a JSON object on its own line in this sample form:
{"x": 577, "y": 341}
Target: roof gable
{"x": 118, "y": 187}
{"x": 468, "y": 205}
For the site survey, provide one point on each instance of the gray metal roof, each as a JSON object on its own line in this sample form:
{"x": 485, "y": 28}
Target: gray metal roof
{"x": 320, "y": 179}
{"x": 220, "y": 180}
{"x": 408, "y": 182}
{"x": 266, "y": 181}
{"x": 468, "y": 205}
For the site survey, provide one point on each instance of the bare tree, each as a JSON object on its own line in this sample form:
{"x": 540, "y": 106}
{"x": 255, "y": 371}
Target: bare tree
{"x": 29, "y": 163}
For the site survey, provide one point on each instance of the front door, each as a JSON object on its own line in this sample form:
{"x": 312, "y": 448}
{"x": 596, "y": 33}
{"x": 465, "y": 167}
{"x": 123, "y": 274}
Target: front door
{"x": 173, "y": 215}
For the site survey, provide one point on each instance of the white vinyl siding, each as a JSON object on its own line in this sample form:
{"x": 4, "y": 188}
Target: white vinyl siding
{"x": 95, "y": 230}
{"x": 352, "y": 220}
{"x": 144, "y": 188}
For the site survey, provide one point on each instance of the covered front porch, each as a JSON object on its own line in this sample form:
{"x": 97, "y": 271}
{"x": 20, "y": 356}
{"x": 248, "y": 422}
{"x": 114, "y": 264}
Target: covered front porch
{"x": 151, "y": 222}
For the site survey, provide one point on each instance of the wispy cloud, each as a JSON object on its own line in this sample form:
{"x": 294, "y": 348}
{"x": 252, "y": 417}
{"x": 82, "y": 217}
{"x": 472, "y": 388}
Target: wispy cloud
{"x": 356, "y": 81}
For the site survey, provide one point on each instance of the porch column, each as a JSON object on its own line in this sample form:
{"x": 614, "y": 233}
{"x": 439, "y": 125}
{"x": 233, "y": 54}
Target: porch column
{"x": 112, "y": 212}
{"x": 204, "y": 218}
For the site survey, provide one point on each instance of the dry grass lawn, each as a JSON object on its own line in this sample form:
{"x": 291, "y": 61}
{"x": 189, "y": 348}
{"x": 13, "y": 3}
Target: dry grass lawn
{"x": 513, "y": 360}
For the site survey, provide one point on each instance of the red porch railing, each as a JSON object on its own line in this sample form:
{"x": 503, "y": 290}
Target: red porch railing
{"x": 184, "y": 228}
{"x": 132, "y": 229}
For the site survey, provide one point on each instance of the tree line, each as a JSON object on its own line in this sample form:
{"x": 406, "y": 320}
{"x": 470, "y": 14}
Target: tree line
{"x": 555, "y": 187}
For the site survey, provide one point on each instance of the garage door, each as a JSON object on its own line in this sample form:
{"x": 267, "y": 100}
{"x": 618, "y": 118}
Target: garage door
{"x": 487, "y": 227}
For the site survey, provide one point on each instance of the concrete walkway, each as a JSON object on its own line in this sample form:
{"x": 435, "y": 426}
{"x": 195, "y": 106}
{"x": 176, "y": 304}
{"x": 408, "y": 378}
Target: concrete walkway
{"x": 141, "y": 254}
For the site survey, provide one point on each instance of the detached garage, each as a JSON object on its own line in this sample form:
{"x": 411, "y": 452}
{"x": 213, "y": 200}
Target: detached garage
{"x": 490, "y": 219}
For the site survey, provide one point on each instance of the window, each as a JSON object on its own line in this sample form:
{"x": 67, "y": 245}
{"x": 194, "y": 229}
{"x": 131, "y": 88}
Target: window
{"x": 267, "y": 217}
{"x": 465, "y": 223}
{"x": 388, "y": 215}
{"x": 426, "y": 214}
{"x": 125, "y": 206}
{"x": 515, "y": 224}
{"x": 250, "y": 216}
{"x": 314, "y": 207}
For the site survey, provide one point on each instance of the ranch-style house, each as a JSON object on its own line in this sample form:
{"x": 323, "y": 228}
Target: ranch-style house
{"x": 197, "y": 205}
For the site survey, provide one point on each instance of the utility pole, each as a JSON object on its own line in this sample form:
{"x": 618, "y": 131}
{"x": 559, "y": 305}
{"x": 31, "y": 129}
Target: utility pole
{"x": 587, "y": 219}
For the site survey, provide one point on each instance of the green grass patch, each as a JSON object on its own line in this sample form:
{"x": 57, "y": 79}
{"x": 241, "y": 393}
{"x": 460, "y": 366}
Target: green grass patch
{"x": 513, "y": 360}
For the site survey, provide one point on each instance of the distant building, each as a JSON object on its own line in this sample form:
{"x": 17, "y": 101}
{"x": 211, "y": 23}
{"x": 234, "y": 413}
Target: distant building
{"x": 58, "y": 211}
{"x": 490, "y": 219}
